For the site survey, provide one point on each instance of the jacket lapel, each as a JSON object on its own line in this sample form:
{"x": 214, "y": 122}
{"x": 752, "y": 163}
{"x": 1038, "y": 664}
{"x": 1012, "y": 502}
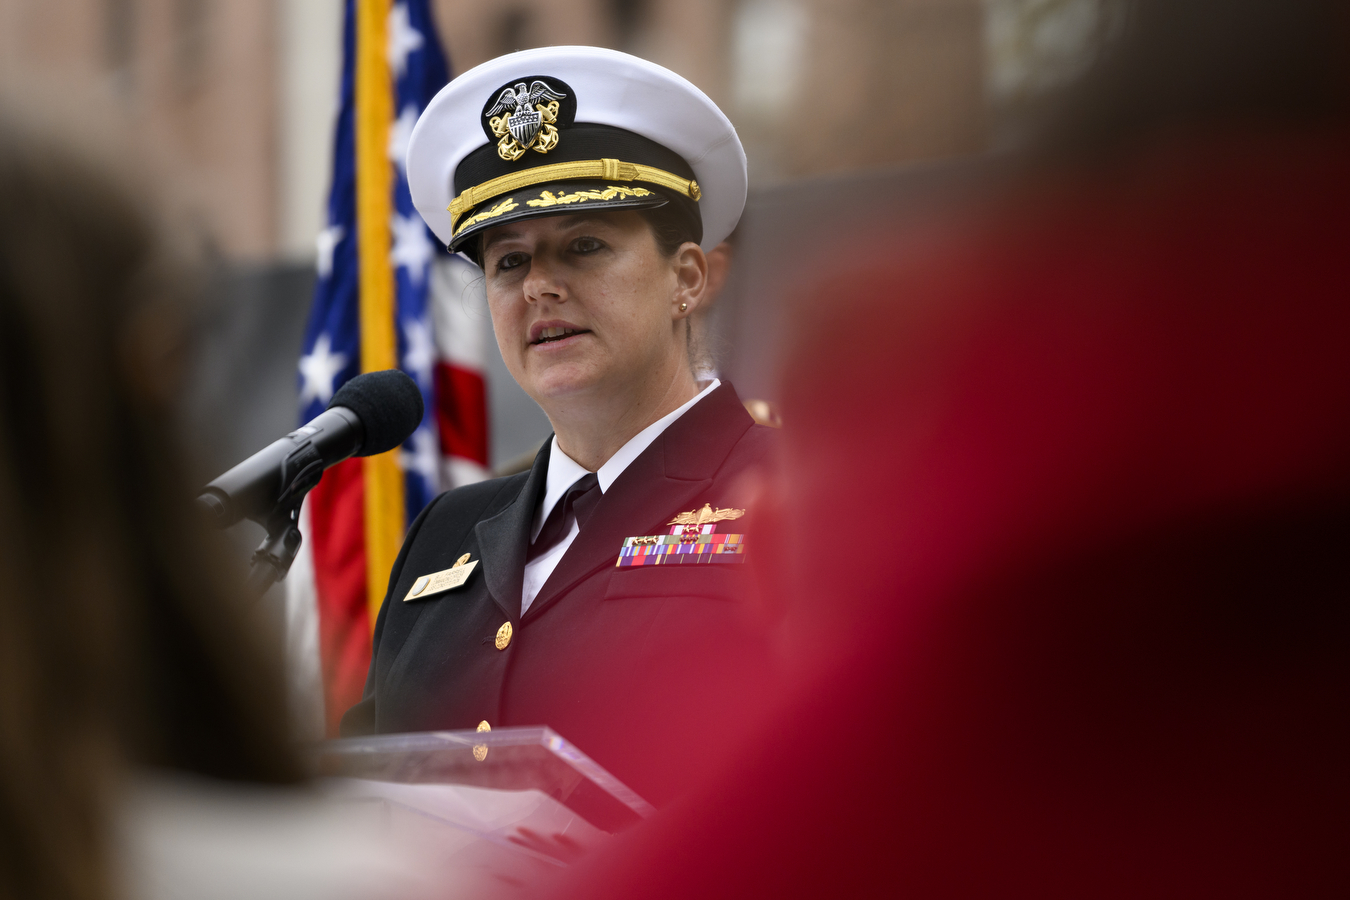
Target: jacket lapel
{"x": 667, "y": 478}
{"x": 503, "y": 539}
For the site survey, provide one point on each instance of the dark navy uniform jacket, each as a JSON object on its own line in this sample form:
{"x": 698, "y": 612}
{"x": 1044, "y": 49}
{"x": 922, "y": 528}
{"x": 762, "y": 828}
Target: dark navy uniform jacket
{"x": 637, "y": 666}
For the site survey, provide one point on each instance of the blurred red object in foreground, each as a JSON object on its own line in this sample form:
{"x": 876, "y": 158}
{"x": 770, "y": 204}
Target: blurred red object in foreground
{"x": 1070, "y": 490}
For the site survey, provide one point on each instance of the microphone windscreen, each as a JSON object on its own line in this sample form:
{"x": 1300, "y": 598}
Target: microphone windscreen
{"x": 388, "y": 404}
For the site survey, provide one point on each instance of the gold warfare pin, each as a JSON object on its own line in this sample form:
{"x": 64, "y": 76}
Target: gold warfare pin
{"x": 697, "y": 518}
{"x": 444, "y": 580}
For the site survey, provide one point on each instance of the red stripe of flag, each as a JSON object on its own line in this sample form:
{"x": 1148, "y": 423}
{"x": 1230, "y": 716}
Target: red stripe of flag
{"x": 338, "y": 544}
{"x": 461, "y": 412}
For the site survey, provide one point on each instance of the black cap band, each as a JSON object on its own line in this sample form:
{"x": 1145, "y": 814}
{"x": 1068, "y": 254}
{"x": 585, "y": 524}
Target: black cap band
{"x": 647, "y": 175}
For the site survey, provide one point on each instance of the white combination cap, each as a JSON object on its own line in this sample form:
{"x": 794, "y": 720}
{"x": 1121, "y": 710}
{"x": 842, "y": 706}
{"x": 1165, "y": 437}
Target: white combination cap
{"x": 566, "y": 129}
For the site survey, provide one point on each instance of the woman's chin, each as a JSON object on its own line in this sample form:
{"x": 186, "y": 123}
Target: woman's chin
{"x": 561, "y": 383}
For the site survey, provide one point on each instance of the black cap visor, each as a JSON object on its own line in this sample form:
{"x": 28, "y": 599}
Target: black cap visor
{"x": 561, "y": 198}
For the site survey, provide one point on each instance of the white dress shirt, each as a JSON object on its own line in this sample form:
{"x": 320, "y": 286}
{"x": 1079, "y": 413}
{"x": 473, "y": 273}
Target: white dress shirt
{"x": 563, "y": 471}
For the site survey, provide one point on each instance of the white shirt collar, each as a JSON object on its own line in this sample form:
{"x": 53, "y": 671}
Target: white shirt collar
{"x": 563, "y": 471}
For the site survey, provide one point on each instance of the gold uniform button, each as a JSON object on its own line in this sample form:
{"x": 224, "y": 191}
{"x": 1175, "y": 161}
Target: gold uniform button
{"x": 480, "y": 751}
{"x": 504, "y": 636}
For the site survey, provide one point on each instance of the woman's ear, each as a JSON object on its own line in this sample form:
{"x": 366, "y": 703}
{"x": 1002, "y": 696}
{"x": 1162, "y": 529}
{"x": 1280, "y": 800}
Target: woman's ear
{"x": 691, "y": 279}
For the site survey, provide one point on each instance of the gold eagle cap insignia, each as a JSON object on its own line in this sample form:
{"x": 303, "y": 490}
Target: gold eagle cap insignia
{"x": 529, "y": 124}
{"x": 706, "y": 516}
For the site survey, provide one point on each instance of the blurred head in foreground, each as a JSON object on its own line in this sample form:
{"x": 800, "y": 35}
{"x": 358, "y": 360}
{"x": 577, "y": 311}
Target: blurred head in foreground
{"x": 1091, "y": 621}
{"x": 118, "y": 642}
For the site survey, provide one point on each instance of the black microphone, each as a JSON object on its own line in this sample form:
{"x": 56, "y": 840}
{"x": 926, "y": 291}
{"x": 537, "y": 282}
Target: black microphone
{"x": 370, "y": 414}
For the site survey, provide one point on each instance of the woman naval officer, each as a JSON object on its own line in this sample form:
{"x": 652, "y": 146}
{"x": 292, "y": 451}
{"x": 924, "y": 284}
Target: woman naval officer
{"x": 603, "y": 593}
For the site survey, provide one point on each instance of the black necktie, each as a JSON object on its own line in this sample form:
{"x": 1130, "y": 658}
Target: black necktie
{"x": 579, "y": 501}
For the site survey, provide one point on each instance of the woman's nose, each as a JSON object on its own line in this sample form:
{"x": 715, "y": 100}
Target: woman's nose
{"x": 543, "y": 282}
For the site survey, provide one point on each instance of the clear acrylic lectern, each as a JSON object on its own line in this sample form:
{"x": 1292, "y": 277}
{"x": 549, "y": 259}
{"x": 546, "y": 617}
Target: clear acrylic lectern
{"x": 493, "y": 805}
{"x": 508, "y": 759}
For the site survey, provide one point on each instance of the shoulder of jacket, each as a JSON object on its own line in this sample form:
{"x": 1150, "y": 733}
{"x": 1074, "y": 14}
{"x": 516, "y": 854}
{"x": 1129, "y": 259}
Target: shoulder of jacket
{"x": 756, "y": 448}
{"x": 759, "y": 441}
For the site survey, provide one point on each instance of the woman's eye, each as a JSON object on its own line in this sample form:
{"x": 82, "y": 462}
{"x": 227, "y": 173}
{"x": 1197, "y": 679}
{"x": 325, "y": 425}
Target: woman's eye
{"x": 510, "y": 261}
{"x": 586, "y": 245}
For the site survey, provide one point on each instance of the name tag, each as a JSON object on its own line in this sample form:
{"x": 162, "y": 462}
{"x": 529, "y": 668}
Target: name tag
{"x": 681, "y": 549}
{"x": 438, "y": 582}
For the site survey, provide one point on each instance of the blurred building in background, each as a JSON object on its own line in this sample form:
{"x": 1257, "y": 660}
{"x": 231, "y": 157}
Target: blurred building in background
{"x": 231, "y": 102}
{"x": 814, "y": 86}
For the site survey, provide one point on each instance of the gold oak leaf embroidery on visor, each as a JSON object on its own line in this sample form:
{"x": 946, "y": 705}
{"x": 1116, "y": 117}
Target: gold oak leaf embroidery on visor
{"x": 500, "y": 209}
{"x": 599, "y": 169}
{"x": 548, "y": 198}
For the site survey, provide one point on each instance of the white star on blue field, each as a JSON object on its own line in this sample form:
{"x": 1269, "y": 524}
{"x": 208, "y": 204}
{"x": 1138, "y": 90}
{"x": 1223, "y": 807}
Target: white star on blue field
{"x": 318, "y": 369}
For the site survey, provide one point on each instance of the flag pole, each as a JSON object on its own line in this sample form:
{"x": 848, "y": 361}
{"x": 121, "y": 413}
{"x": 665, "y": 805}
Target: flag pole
{"x": 382, "y": 477}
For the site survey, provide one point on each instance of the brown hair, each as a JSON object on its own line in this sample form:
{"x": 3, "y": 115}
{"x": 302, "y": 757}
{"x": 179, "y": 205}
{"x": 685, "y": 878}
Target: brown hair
{"x": 670, "y": 227}
{"x": 119, "y": 639}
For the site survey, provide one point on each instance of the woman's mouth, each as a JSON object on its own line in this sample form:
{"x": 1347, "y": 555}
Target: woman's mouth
{"x": 557, "y": 333}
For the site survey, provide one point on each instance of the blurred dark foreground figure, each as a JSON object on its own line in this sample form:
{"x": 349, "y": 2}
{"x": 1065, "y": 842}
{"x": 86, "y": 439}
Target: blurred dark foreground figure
{"x": 143, "y": 738}
{"x": 1090, "y": 597}
{"x": 118, "y": 641}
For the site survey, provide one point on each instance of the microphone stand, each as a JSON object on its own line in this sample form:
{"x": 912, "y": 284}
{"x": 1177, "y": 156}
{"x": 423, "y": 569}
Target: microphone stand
{"x": 295, "y": 463}
{"x": 273, "y": 558}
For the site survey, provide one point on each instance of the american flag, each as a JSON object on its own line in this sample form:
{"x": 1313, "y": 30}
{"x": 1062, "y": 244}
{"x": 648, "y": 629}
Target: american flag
{"x": 386, "y": 296}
